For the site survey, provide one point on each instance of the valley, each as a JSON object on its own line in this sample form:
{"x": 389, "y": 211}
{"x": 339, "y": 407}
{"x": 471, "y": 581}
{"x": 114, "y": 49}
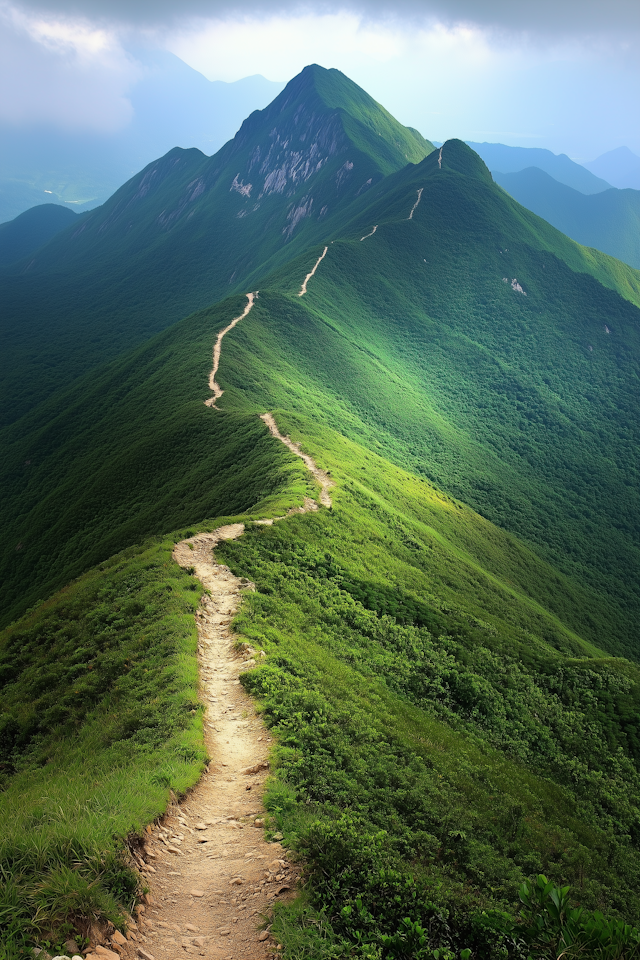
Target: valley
{"x": 416, "y": 461}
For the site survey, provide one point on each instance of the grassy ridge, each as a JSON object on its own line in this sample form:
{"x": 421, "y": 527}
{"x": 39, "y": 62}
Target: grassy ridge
{"x": 522, "y": 406}
{"x": 434, "y": 722}
{"x": 430, "y": 725}
{"x": 100, "y": 719}
{"x": 180, "y": 462}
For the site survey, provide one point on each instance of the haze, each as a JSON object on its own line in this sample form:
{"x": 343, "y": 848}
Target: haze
{"x": 559, "y": 75}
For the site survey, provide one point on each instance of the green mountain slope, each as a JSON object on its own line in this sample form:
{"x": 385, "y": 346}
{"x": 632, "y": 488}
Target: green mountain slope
{"x": 190, "y": 228}
{"x": 442, "y": 645}
{"x": 441, "y": 736}
{"x": 517, "y": 401}
{"x": 609, "y": 221}
{"x": 32, "y": 229}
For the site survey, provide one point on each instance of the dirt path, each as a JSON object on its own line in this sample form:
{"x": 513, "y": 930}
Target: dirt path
{"x": 215, "y": 387}
{"x": 440, "y": 159}
{"x": 367, "y": 235}
{"x": 213, "y": 877}
{"x": 321, "y": 476}
{"x": 303, "y": 289}
{"x": 410, "y": 217}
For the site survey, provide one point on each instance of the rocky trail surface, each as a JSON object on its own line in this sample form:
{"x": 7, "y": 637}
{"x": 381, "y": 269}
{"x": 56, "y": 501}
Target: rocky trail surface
{"x": 303, "y": 288}
{"x": 413, "y": 208}
{"x": 217, "y": 349}
{"x": 212, "y": 875}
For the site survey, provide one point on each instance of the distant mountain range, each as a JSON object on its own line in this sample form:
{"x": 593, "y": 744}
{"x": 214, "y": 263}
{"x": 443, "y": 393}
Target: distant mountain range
{"x": 504, "y": 159}
{"x": 609, "y": 221}
{"x": 173, "y": 105}
{"x": 32, "y": 229}
{"x": 588, "y": 209}
{"x": 620, "y": 167}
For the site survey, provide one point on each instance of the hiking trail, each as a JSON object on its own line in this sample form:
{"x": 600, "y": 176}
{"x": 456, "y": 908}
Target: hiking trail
{"x": 321, "y": 475}
{"x": 410, "y": 217}
{"x": 212, "y": 876}
{"x": 440, "y": 159}
{"x": 213, "y": 386}
{"x": 367, "y": 235}
{"x": 303, "y": 289}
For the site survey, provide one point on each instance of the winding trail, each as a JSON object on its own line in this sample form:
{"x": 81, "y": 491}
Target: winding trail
{"x": 367, "y": 235}
{"x": 321, "y": 475}
{"x": 213, "y": 385}
{"x": 212, "y": 876}
{"x": 410, "y": 217}
{"x": 440, "y": 159}
{"x": 303, "y": 289}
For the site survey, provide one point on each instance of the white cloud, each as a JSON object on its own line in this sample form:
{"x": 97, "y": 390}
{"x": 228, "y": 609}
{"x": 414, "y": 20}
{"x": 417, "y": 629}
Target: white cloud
{"x": 67, "y": 73}
{"x": 456, "y": 76}
{"x": 463, "y": 80}
{"x": 279, "y": 46}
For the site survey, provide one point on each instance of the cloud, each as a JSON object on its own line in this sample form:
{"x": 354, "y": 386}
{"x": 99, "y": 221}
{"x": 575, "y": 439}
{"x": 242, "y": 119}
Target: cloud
{"x": 64, "y": 73}
{"x": 494, "y": 70}
{"x": 542, "y": 18}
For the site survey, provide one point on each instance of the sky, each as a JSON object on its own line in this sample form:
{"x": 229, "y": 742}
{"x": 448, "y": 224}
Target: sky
{"x": 560, "y": 74}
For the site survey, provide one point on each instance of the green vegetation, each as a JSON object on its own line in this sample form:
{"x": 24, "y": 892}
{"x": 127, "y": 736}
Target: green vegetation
{"x": 31, "y": 230}
{"x": 177, "y": 237}
{"x": 441, "y": 669}
{"x": 134, "y": 452}
{"x": 441, "y": 367}
{"x": 100, "y": 720}
{"x": 426, "y": 771}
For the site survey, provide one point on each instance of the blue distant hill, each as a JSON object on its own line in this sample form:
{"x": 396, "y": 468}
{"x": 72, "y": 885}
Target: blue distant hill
{"x": 504, "y": 159}
{"x": 620, "y": 167}
{"x": 609, "y": 221}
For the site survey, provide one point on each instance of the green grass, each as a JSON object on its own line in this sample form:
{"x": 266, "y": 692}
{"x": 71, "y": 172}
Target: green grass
{"x": 441, "y": 736}
{"x": 439, "y": 729}
{"x": 441, "y": 672}
{"x": 100, "y": 720}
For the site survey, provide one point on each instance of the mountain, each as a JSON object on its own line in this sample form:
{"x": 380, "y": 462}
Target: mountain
{"x": 620, "y": 167}
{"x": 446, "y": 652}
{"x": 609, "y": 221}
{"x": 503, "y": 159}
{"x": 32, "y": 229}
{"x": 173, "y": 105}
{"x": 189, "y": 228}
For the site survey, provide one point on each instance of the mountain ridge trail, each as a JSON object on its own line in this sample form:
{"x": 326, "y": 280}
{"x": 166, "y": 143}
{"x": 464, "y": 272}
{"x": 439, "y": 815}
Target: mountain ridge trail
{"x": 213, "y": 385}
{"x": 212, "y": 875}
{"x": 303, "y": 289}
{"x": 367, "y": 235}
{"x": 410, "y": 217}
{"x": 321, "y": 475}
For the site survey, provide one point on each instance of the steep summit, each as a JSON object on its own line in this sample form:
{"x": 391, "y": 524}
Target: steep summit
{"x": 189, "y": 229}
{"x": 320, "y": 144}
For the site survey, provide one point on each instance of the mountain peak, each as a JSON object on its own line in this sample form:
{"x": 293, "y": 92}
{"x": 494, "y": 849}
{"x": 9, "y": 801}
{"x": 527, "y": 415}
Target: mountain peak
{"x": 322, "y": 104}
{"x": 456, "y": 155}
